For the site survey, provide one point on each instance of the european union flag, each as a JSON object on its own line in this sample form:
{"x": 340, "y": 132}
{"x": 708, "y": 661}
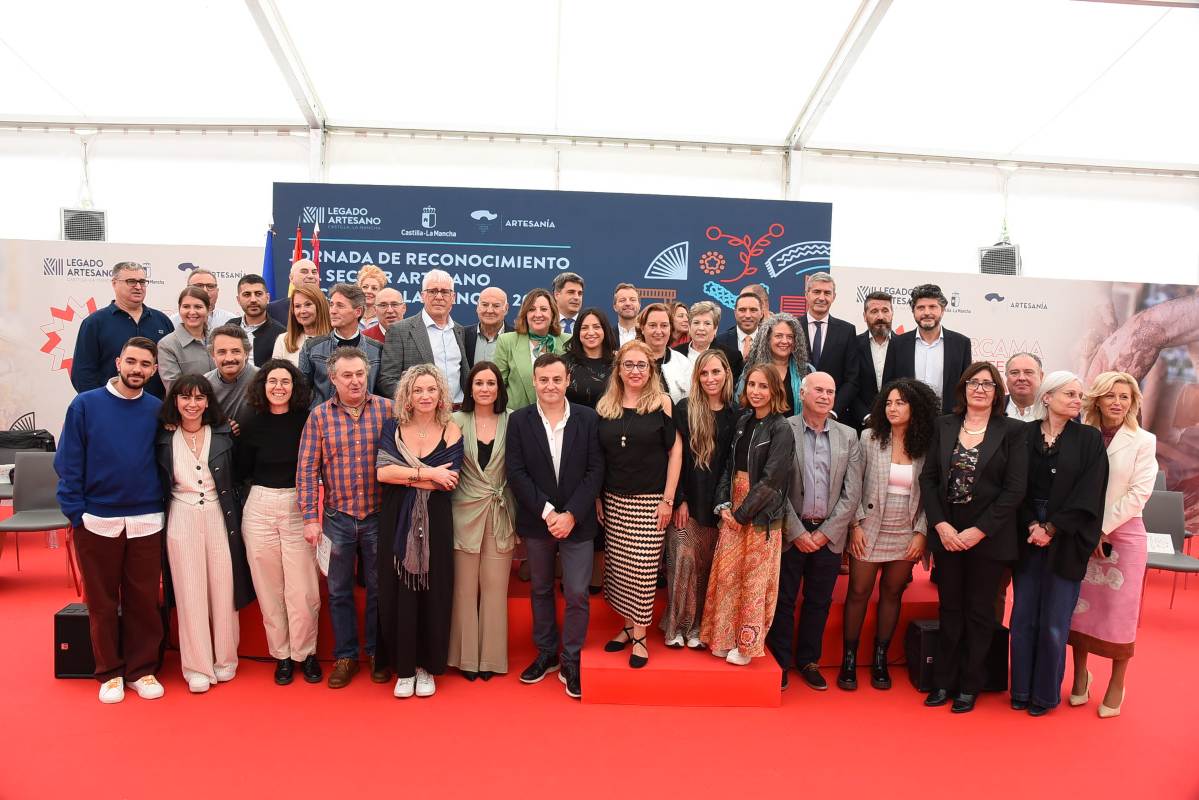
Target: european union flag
{"x": 268, "y": 262}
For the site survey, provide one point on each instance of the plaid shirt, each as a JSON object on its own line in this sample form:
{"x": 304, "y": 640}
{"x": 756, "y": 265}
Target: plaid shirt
{"x": 341, "y": 450}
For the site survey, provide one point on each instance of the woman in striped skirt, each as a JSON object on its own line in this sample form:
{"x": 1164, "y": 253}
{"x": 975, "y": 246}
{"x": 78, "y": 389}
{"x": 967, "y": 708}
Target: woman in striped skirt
{"x": 642, "y": 460}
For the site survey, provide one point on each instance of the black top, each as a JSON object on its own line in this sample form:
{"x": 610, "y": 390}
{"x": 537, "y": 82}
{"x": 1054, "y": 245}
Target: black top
{"x": 741, "y": 454}
{"x": 588, "y": 379}
{"x": 698, "y": 484}
{"x": 792, "y": 406}
{"x": 485, "y": 449}
{"x": 268, "y": 448}
{"x": 1042, "y": 466}
{"x": 636, "y": 451}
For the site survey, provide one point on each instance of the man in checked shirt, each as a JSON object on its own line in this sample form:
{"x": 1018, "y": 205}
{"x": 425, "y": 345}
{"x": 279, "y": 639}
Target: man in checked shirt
{"x": 338, "y": 447}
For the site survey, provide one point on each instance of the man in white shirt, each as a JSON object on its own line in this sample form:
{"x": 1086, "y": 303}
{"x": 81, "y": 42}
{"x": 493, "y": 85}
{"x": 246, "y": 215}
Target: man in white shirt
{"x": 430, "y": 337}
{"x": 1023, "y": 375}
{"x": 203, "y": 279}
{"x": 930, "y": 353}
{"x": 626, "y": 302}
{"x": 568, "y": 295}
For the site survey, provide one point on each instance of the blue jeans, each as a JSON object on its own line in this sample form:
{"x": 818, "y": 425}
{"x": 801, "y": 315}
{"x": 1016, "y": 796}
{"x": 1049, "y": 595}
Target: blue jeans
{"x": 346, "y": 533}
{"x": 1043, "y": 604}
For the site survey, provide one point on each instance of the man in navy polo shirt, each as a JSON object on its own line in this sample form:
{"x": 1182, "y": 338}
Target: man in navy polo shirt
{"x": 104, "y": 332}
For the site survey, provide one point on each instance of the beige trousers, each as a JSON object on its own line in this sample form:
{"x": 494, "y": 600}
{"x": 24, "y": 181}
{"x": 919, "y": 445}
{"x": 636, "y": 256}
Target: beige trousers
{"x": 283, "y": 567}
{"x": 479, "y": 627}
{"x": 202, "y": 574}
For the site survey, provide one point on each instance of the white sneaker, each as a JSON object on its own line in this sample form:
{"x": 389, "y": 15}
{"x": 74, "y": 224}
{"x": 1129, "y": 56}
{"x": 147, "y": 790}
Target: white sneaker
{"x": 198, "y": 684}
{"x": 405, "y": 687}
{"x": 676, "y": 641}
{"x": 112, "y": 691}
{"x": 225, "y": 674}
{"x": 738, "y": 658}
{"x": 148, "y": 688}
{"x": 720, "y": 653}
{"x": 425, "y": 687}
{"x": 694, "y": 643}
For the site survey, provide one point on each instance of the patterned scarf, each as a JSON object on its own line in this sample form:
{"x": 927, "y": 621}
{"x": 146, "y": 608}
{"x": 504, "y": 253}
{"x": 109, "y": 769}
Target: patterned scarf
{"x": 542, "y": 344}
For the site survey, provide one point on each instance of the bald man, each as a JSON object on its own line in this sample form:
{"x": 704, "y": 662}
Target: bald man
{"x": 481, "y": 338}
{"x": 303, "y": 273}
{"x": 390, "y": 308}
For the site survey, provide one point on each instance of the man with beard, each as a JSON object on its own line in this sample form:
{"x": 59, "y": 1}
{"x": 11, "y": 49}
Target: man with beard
{"x": 230, "y": 348}
{"x": 875, "y": 355}
{"x": 390, "y": 308}
{"x": 830, "y": 342}
{"x": 626, "y": 302}
{"x": 748, "y": 311}
{"x": 108, "y": 488}
{"x": 262, "y": 330}
{"x": 303, "y": 273}
{"x": 930, "y": 353}
{"x": 1023, "y": 374}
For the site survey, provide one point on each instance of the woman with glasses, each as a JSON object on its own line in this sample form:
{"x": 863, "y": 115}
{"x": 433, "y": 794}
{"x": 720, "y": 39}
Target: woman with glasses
{"x": 780, "y": 343}
{"x": 1061, "y": 521}
{"x": 184, "y": 351}
{"x": 308, "y": 317}
{"x": 537, "y": 331}
{"x": 642, "y": 461}
{"x": 674, "y": 371}
{"x": 973, "y": 481}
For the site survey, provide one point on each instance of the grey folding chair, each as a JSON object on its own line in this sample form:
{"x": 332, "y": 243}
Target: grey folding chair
{"x": 6, "y": 457}
{"x": 1160, "y": 481}
{"x": 1164, "y": 513}
{"x": 35, "y": 506}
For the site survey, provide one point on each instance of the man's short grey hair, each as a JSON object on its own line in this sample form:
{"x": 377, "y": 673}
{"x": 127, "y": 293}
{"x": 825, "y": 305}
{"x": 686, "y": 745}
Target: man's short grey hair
{"x": 803, "y": 384}
{"x": 343, "y": 353}
{"x": 705, "y": 307}
{"x": 232, "y": 331}
{"x": 125, "y": 266}
{"x": 351, "y": 292}
{"x": 564, "y": 278}
{"x": 436, "y": 275}
{"x": 1033, "y": 356}
{"x": 822, "y": 277}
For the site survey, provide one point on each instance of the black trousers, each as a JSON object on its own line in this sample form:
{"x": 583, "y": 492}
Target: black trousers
{"x": 576, "y": 557}
{"x": 817, "y": 573}
{"x": 966, "y": 584}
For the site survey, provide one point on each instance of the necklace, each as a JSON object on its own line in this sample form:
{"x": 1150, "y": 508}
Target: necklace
{"x": 624, "y": 440}
{"x": 1050, "y": 436}
{"x": 193, "y": 443}
{"x": 978, "y": 432}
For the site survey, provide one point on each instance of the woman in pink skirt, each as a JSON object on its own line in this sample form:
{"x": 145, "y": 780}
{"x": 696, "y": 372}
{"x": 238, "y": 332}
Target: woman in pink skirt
{"x": 1105, "y": 619}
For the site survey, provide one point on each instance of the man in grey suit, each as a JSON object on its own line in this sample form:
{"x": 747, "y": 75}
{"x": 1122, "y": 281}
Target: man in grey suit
{"x": 826, "y": 487}
{"x": 429, "y": 337}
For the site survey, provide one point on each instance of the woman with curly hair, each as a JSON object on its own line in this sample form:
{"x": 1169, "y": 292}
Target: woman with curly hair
{"x": 780, "y": 343}
{"x": 418, "y": 465}
{"x": 889, "y": 533}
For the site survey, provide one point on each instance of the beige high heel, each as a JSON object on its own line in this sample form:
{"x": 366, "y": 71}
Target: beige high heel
{"x": 1081, "y": 699}
{"x": 1106, "y": 711}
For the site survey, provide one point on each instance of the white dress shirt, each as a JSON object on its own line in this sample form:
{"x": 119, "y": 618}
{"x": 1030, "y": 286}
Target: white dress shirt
{"x": 930, "y": 361}
{"x": 1014, "y": 411}
{"x": 136, "y": 526}
{"x": 812, "y": 333}
{"x": 446, "y": 355}
{"x": 741, "y": 337}
{"x": 554, "y": 434}
{"x": 626, "y": 336}
{"x": 878, "y": 354}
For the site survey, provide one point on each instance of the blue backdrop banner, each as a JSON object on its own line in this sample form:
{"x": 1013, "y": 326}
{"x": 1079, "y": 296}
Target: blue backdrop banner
{"x": 684, "y": 248}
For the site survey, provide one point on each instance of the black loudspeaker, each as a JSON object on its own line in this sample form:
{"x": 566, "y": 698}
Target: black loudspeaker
{"x": 73, "y": 643}
{"x": 920, "y": 647}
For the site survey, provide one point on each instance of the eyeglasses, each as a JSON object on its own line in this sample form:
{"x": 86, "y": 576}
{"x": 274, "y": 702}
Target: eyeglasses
{"x": 490, "y": 306}
{"x": 439, "y": 292}
{"x": 388, "y": 305}
{"x": 635, "y": 366}
{"x": 983, "y": 386}
{"x": 133, "y": 283}
{"x": 208, "y": 287}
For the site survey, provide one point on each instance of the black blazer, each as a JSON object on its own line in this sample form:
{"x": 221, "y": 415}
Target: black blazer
{"x": 220, "y": 464}
{"x": 1076, "y": 501}
{"x": 957, "y": 358}
{"x": 531, "y": 477}
{"x": 999, "y": 484}
{"x": 264, "y": 339}
{"x": 838, "y": 358}
{"x": 866, "y": 390}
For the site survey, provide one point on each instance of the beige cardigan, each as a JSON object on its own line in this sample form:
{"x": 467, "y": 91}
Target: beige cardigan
{"x": 483, "y": 494}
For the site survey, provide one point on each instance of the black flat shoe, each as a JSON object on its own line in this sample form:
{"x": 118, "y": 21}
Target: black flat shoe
{"x": 1035, "y": 710}
{"x": 1019, "y": 705}
{"x": 636, "y": 661}
{"x": 486, "y": 674}
{"x": 284, "y": 671}
{"x": 470, "y": 676}
{"x": 594, "y": 590}
{"x": 616, "y": 645}
{"x": 963, "y": 703}
{"x": 311, "y": 668}
{"x": 937, "y": 697}
{"x": 544, "y": 664}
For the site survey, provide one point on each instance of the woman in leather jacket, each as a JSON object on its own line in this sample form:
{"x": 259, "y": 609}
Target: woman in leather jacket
{"x": 751, "y": 501}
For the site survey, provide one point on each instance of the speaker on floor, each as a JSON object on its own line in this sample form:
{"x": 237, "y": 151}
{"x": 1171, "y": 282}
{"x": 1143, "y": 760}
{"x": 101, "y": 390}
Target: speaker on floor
{"x": 920, "y": 648}
{"x": 73, "y": 643}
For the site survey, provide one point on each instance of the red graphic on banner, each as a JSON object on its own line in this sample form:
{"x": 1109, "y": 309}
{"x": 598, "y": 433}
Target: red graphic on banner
{"x": 72, "y": 311}
{"x": 750, "y": 247}
{"x": 795, "y": 304}
{"x": 711, "y": 263}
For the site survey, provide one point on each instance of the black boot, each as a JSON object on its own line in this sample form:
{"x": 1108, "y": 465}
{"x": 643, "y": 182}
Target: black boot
{"x": 847, "y": 678}
{"x": 880, "y": 678}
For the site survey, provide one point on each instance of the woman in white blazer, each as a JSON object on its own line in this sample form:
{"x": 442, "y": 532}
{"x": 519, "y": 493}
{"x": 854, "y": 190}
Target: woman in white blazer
{"x": 889, "y": 531}
{"x": 1105, "y": 618}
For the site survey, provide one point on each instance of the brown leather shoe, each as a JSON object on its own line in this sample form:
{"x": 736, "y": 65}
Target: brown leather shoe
{"x": 380, "y": 673}
{"x": 344, "y": 670}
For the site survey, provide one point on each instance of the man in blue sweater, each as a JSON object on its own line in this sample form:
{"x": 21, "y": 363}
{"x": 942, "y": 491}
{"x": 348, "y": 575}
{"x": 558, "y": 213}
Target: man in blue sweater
{"x": 103, "y": 334}
{"x": 108, "y": 488}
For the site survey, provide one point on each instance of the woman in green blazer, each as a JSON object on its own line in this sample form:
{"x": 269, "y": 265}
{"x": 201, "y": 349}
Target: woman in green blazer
{"x": 537, "y": 331}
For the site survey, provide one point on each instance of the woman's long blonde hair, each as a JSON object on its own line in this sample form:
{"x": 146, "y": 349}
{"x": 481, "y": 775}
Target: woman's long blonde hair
{"x": 700, "y": 419}
{"x": 611, "y": 404}
{"x": 1104, "y": 383}
{"x": 294, "y": 329}
{"x": 403, "y": 398}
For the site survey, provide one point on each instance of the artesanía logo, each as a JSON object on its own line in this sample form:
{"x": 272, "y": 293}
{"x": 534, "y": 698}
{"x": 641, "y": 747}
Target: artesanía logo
{"x": 314, "y": 214}
{"x": 484, "y": 219}
{"x": 52, "y": 266}
{"x": 530, "y": 223}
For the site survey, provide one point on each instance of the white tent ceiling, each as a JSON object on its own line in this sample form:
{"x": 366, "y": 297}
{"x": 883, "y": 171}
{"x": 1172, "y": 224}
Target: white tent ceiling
{"x": 1023, "y": 80}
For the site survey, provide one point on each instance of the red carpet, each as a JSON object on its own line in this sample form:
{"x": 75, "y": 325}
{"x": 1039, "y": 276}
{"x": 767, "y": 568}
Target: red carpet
{"x": 250, "y": 738}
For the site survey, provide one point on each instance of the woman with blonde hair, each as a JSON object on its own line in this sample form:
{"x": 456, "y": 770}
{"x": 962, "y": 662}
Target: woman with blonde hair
{"x": 705, "y": 420}
{"x": 680, "y": 323}
{"x": 1105, "y": 617}
{"x": 537, "y": 331}
{"x": 371, "y": 280}
{"x": 643, "y": 457}
{"x": 308, "y": 316}
{"x": 420, "y": 454}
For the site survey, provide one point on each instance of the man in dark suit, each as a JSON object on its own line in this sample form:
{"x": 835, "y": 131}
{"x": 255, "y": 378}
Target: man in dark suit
{"x": 830, "y": 342}
{"x": 931, "y": 353}
{"x": 748, "y": 311}
{"x": 555, "y": 468}
{"x": 481, "y": 338}
{"x": 262, "y": 330}
{"x": 875, "y": 355}
{"x": 429, "y": 337}
{"x": 303, "y": 272}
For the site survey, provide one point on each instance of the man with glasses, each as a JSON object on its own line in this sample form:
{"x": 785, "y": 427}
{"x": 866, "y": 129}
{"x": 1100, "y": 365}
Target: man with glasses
{"x": 103, "y": 333}
{"x": 429, "y": 337}
{"x": 481, "y": 338}
{"x": 303, "y": 273}
{"x": 930, "y": 353}
{"x": 390, "y": 308}
{"x": 206, "y": 281}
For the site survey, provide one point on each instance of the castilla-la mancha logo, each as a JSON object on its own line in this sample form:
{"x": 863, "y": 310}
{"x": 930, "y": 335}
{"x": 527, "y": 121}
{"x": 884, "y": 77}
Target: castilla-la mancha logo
{"x": 60, "y": 331}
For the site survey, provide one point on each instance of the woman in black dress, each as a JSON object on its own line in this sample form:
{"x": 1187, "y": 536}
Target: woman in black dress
{"x": 420, "y": 453}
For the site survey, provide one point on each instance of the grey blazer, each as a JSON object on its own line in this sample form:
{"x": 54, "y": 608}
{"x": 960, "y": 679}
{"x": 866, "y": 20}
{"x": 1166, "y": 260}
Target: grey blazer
{"x": 875, "y": 475}
{"x": 407, "y": 344}
{"x": 845, "y": 483}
